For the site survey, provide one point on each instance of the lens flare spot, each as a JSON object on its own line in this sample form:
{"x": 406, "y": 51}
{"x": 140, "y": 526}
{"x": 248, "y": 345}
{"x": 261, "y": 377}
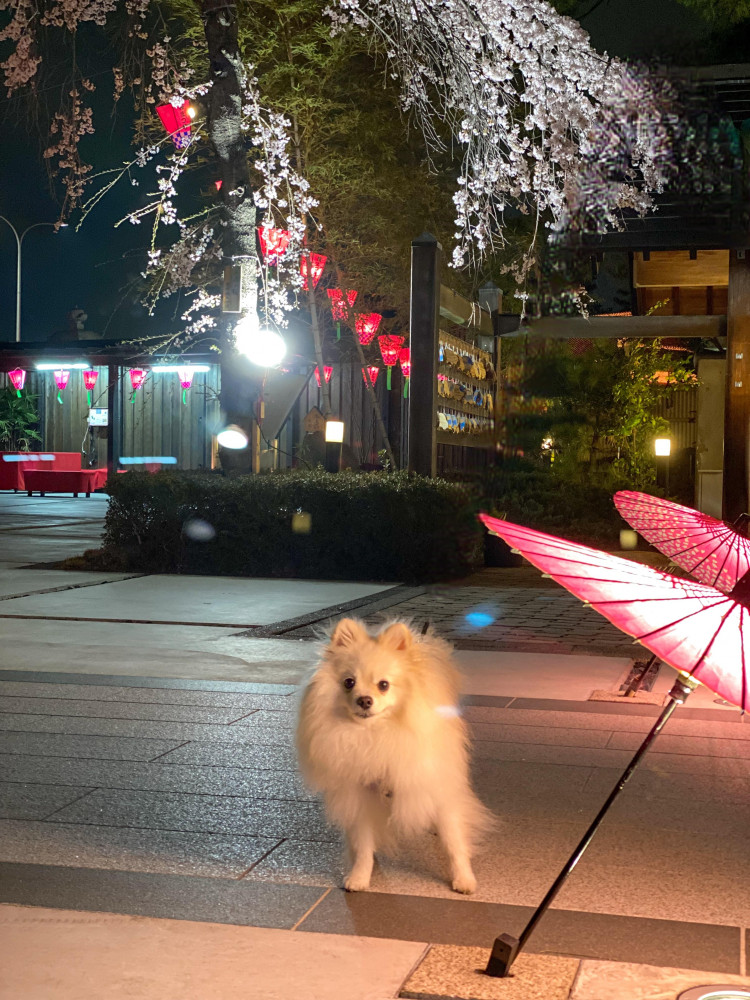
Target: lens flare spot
{"x": 479, "y": 619}
{"x": 199, "y": 530}
{"x": 301, "y": 523}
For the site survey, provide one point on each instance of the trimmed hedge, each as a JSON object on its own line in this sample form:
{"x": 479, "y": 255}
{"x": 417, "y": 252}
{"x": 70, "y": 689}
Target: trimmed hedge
{"x": 364, "y": 526}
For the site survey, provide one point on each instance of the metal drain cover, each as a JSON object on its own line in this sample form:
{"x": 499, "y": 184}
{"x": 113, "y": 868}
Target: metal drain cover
{"x": 717, "y": 992}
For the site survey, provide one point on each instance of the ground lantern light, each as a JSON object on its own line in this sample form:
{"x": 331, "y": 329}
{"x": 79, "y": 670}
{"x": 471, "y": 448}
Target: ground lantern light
{"x": 338, "y": 308}
{"x": 273, "y": 242}
{"x": 185, "y": 375}
{"x": 327, "y": 372}
{"x": 390, "y": 346}
{"x": 17, "y": 379}
{"x": 404, "y": 357}
{"x": 61, "y": 380}
{"x": 373, "y": 371}
{"x": 334, "y": 440}
{"x": 366, "y": 326}
{"x": 176, "y": 120}
{"x": 662, "y": 451}
{"x": 89, "y": 380}
{"x": 317, "y": 263}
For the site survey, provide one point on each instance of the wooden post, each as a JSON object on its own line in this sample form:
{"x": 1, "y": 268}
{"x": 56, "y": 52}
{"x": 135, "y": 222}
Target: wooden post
{"x": 424, "y": 319}
{"x": 737, "y": 405}
{"x": 114, "y": 417}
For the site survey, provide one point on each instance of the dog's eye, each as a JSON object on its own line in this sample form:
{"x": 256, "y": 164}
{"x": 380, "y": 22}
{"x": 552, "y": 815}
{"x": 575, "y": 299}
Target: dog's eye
{"x": 349, "y": 683}
{"x": 383, "y": 685}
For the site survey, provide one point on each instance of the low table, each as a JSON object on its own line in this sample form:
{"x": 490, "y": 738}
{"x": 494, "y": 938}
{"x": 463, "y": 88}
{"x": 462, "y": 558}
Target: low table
{"x": 73, "y": 481}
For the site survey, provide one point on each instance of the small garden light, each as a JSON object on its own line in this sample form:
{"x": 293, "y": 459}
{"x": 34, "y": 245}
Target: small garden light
{"x": 335, "y": 431}
{"x": 662, "y": 447}
{"x": 334, "y": 440}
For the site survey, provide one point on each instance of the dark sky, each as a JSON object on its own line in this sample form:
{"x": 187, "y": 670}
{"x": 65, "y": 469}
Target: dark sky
{"x": 94, "y": 267}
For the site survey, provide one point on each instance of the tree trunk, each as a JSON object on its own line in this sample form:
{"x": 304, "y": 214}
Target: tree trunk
{"x": 238, "y": 393}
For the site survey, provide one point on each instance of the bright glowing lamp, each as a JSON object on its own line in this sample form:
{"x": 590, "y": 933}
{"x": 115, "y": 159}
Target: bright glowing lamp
{"x": 264, "y": 348}
{"x": 335, "y": 431}
{"x": 662, "y": 446}
{"x": 61, "y": 380}
{"x": 232, "y": 437}
{"x": 17, "y": 379}
{"x": 89, "y": 380}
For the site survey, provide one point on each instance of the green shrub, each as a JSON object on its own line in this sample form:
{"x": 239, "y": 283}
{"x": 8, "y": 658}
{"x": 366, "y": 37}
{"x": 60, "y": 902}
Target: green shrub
{"x": 364, "y": 526}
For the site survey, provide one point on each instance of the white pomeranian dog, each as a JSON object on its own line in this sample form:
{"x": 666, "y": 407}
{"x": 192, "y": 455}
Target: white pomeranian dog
{"x": 380, "y": 736}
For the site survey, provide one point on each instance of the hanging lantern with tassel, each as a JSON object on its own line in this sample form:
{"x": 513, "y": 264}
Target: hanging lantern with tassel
{"x": 390, "y": 346}
{"x": 185, "y": 375}
{"x": 373, "y": 371}
{"x": 61, "y": 380}
{"x": 327, "y": 372}
{"x": 317, "y": 263}
{"x": 366, "y": 326}
{"x": 18, "y": 379}
{"x": 338, "y": 308}
{"x": 89, "y": 380}
{"x": 137, "y": 378}
{"x": 273, "y": 243}
{"x": 404, "y": 358}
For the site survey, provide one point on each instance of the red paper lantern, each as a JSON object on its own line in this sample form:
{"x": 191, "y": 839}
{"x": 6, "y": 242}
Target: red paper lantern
{"x": 185, "y": 375}
{"x": 317, "y": 263}
{"x": 18, "y": 379}
{"x": 89, "y": 380}
{"x": 61, "y": 380}
{"x": 373, "y": 371}
{"x": 273, "y": 242}
{"x": 338, "y": 309}
{"x": 389, "y": 347}
{"x": 137, "y": 378}
{"x": 176, "y": 121}
{"x": 327, "y": 372}
{"x": 404, "y": 357}
{"x": 366, "y": 325}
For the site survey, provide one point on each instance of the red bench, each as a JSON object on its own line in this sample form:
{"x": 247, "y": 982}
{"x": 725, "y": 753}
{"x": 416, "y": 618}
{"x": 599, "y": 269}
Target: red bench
{"x": 44, "y": 481}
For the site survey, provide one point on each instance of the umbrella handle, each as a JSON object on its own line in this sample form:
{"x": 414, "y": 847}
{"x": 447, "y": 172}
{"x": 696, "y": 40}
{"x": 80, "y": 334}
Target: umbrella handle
{"x": 506, "y": 947}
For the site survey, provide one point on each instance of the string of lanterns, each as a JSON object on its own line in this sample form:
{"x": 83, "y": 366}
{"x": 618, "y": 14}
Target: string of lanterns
{"x": 61, "y": 375}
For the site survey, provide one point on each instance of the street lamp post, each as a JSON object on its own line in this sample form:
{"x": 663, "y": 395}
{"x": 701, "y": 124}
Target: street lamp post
{"x": 19, "y": 244}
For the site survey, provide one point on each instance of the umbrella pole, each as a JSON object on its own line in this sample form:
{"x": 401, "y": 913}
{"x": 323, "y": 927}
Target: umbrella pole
{"x": 506, "y": 947}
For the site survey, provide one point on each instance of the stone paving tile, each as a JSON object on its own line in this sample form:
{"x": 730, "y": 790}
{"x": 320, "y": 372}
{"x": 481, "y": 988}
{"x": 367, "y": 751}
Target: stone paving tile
{"x": 179, "y": 731}
{"x": 699, "y": 745}
{"x": 215, "y": 636}
{"x": 238, "y": 755}
{"x": 265, "y": 784}
{"x": 539, "y": 735}
{"x": 199, "y": 813}
{"x": 35, "y": 801}
{"x": 162, "y": 851}
{"x": 151, "y": 696}
{"x": 710, "y": 785}
{"x": 550, "y": 754}
{"x": 221, "y": 901}
{"x": 105, "y": 747}
{"x": 124, "y": 710}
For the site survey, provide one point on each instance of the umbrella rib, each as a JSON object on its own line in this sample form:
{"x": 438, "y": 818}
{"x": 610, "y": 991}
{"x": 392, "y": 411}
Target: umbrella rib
{"x": 692, "y": 614}
{"x": 713, "y": 638}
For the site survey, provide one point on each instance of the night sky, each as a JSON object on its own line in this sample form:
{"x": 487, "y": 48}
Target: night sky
{"x": 94, "y": 267}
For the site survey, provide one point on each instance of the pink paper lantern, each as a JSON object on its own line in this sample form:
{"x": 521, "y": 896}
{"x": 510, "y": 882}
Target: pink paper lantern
{"x": 317, "y": 263}
{"x": 404, "y": 357}
{"x": 338, "y": 309}
{"x": 176, "y": 121}
{"x": 273, "y": 242}
{"x": 89, "y": 380}
{"x": 327, "y": 372}
{"x": 137, "y": 378}
{"x": 61, "y": 380}
{"x": 366, "y": 326}
{"x": 185, "y": 375}
{"x": 18, "y": 379}
{"x": 373, "y": 372}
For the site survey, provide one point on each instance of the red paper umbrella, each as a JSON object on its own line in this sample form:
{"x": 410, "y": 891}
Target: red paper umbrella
{"x": 366, "y": 326}
{"x": 317, "y": 263}
{"x": 712, "y": 551}
{"x": 373, "y": 371}
{"x": 694, "y": 627}
{"x": 390, "y": 345}
{"x": 327, "y": 372}
{"x": 18, "y": 379}
{"x": 273, "y": 242}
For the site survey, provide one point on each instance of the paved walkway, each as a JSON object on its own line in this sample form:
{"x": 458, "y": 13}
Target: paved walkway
{"x": 148, "y": 774}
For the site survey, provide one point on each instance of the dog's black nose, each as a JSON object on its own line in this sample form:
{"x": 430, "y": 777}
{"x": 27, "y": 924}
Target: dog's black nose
{"x": 364, "y": 701}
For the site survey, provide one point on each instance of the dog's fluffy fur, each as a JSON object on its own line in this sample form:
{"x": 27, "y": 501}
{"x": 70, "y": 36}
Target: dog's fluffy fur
{"x": 380, "y": 736}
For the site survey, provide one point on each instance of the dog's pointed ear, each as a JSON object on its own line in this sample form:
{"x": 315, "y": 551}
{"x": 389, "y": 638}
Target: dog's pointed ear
{"x": 347, "y": 632}
{"x": 397, "y": 636}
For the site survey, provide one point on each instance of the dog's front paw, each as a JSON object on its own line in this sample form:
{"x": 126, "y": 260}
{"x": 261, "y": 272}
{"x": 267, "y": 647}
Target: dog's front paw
{"x": 464, "y": 883}
{"x": 356, "y": 883}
